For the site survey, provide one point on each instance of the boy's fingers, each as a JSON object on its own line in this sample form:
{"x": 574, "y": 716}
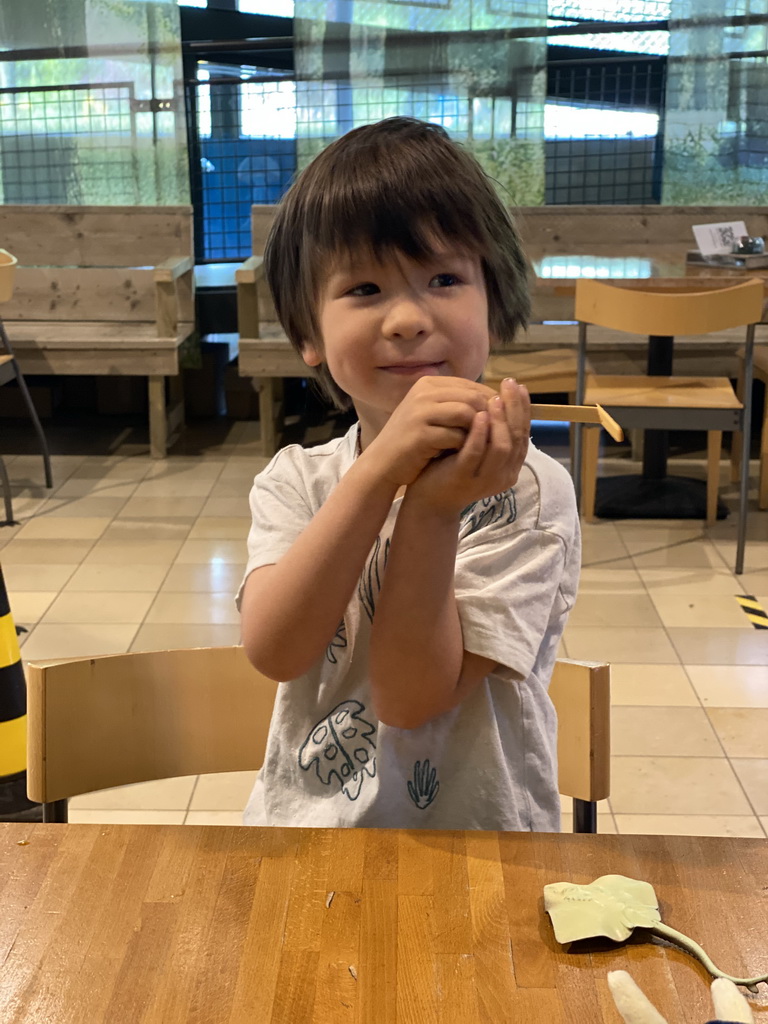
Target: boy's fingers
{"x": 473, "y": 449}
{"x": 517, "y": 403}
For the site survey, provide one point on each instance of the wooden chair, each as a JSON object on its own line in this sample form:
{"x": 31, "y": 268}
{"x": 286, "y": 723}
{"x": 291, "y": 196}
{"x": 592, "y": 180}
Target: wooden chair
{"x": 9, "y": 370}
{"x": 760, "y": 367}
{"x": 94, "y": 723}
{"x": 669, "y": 402}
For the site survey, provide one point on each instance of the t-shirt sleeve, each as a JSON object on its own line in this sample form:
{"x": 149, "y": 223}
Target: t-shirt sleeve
{"x": 508, "y": 590}
{"x": 279, "y": 512}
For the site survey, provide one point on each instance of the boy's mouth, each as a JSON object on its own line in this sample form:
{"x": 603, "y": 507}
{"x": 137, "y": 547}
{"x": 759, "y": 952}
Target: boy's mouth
{"x": 428, "y": 369}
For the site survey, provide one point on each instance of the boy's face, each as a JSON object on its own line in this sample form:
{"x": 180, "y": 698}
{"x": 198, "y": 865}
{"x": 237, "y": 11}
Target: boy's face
{"x": 385, "y": 324}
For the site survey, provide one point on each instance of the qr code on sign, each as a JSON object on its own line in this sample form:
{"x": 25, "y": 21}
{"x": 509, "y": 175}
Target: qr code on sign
{"x": 726, "y": 235}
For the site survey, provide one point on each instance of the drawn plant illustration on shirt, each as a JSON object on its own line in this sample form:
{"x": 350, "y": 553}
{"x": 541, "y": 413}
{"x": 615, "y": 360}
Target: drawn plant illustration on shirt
{"x": 339, "y": 642}
{"x": 488, "y": 510}
{"x": 370, "y": 582}
{"x": 341, "y": 745}
{"x": 425, "y": 786}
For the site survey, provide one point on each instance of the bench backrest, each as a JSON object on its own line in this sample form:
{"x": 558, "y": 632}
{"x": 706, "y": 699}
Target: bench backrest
{"x": 551, "y": 230}
{"x": 95, "y": 236}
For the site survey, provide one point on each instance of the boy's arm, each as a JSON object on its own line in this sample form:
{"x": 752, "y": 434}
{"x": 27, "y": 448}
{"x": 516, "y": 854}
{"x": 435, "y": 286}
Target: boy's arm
{"x": 419, "y": 668}
{"x": 292, "y": 609}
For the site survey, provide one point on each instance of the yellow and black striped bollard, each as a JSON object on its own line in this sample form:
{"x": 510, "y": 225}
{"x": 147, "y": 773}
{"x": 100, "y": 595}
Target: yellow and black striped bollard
{"x": 14, "y": 805}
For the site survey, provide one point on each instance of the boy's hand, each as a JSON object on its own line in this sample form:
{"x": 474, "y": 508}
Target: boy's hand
{"x": 490, "y": 460}
{"x": 437, "y": 414}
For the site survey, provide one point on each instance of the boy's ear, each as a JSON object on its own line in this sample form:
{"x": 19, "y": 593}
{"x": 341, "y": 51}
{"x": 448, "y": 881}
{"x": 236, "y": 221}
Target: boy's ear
{"x": 311, "y": 354}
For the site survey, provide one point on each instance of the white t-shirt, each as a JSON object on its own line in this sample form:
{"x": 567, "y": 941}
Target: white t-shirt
{"x": 491, "y": 762}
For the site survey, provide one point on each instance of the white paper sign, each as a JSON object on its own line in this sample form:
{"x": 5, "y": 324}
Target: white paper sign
{"x": 713, "y": 239}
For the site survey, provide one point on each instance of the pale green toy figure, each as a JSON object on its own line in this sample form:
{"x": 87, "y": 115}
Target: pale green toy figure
{"x": 613, "y": 905}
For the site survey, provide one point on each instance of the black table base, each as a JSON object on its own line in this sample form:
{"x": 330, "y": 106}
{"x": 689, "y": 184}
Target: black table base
{"x": 636, "y": 497}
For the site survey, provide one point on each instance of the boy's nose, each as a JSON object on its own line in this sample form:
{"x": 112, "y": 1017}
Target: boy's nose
{"x": 406, "y": 319}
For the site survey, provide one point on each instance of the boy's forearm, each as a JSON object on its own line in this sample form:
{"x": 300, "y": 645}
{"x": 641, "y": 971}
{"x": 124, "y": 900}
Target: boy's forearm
{"x": 417, "y": 647}
{"x": 291, "y": 613}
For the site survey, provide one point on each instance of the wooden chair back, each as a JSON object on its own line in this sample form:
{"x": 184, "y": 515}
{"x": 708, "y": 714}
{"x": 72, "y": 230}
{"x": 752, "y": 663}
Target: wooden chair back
{"x": 669, "y": 311}
{"x": 95, "y": 723}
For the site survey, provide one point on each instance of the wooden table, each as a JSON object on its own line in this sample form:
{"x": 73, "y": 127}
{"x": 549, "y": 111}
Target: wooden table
{"x": 139, "y": 924}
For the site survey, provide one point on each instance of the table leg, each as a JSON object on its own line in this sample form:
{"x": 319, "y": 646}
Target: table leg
{"x": 656, "y": 442}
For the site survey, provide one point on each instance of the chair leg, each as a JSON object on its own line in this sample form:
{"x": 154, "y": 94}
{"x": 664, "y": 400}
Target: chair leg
{"x": 31, "y": 408}
{"x": 736, "y": 437}
{"x": 158, "y": 417}
{"x": 589, "y": 472}
{"x": 9, "y": 521}
{"x": 714, "y": 448}
{"x": 584, "y": 816}
{"x": 56, "y": 811}
{"x": 762, "y": 494}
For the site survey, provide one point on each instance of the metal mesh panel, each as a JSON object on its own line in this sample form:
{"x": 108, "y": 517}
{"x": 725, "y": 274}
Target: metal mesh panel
{"x": 68, "y": 144}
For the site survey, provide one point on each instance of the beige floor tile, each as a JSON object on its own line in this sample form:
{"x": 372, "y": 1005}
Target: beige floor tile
{"x": 691, "y": 554}
{"x": 228, "y": 791}
{"x": 161, "y": 508}
{"x": 730, "y": 686}
{"x": 126, "y": 817}
{"x": 594, "y": 609}
{"x": 125, "y": 529}
{"x": 187, "y": 487}
{"x": 158, "y": 795}
{"x": 663, "y": 732}
{"x": 600, "y": 580}
{"x": 234, "y": 488}
{"x": 744, "y": 826}
{"x": 208, "y": 577}
{"x": 742, "y": 731}
{"x": 755, "y": 554}
{"x": 90, "y": 507}
{"x": 185, "y": 467}
{"x": 221, "y": 528}
{"x": 676, "y": 785}
{"x": 764, "y": 823}
{"x": 46, "y": 552}
{"x": 754, "y": 582}
{"x": 115, "y": 470}
{"x": 601, "y": 543}
{"x": 99, "y": 607}
{"x": 619, "y": 644}
{"x": 61, "y": 528}
{"x": 213, "y": 549}
{"x": 19, "y": 576}
{"x": 156, "y": 636}
{"x": 140, "y": 577}
{"x": 214, "y": 818}
{"x": 683, "y": 609}
{"x": 681, "y": 580}
{"x": 652, "y": 685}
{"x": 81, "y": 640}
{"x": 645, "y": 537}
{"x": 28, "y": 606}
{"x": 26, "y": 506}
{"x": 243, "y": 469}
{"x": 129, "y": 552}
{"x": 89, "y": 487}
{"x": 216, "y": 609}
{"x": 715, "y": 646}
{"x": 753, "y": 775}
{"x": 226, "y": 507}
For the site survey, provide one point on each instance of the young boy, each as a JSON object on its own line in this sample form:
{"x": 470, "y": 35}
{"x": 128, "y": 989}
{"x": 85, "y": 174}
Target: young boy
{"x": 411, "y": 580}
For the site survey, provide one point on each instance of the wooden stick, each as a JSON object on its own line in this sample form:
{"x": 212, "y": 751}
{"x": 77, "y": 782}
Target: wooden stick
{"x": 578, "y": 414}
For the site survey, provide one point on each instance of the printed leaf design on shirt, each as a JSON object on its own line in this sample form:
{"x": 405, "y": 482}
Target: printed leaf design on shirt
{"x": 370, "y": 582}
{"x": 493, "y": 509}
{"x": 425, "y": 786}
{"x": 339, "y": 641}
{"x": 341, "y": 745}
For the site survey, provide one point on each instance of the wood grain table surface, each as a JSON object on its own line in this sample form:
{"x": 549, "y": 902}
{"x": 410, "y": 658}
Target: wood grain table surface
{"x": 130, "y": 924}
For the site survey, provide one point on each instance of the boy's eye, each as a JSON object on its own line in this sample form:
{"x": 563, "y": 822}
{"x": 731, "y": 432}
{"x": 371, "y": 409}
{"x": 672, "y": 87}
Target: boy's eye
{"x": 369, "y": 288}
{"x": 444, "y": 280}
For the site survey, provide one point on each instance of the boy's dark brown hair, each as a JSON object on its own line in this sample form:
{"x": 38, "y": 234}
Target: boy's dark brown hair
{"x": 390, "y": 187}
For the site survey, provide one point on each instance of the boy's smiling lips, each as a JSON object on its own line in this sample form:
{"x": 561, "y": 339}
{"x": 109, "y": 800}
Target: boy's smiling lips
{"x": 427, "y": 369}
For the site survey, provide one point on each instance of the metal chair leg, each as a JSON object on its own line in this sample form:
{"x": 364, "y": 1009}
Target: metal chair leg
{"x": 746, "y": 427}
{"x": 9, "y": 520}
{"x": 30, "y": 406}
{"x": 56, "y": 811}
{"x": 584, "y": 816}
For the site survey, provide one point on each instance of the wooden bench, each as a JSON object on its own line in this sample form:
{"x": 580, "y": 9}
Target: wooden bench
{"x": 104, "y": 290}
{"x": 655, "y": 232}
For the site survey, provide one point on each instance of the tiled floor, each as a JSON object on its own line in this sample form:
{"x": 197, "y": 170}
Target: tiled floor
{"x": 131, "y": 554}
